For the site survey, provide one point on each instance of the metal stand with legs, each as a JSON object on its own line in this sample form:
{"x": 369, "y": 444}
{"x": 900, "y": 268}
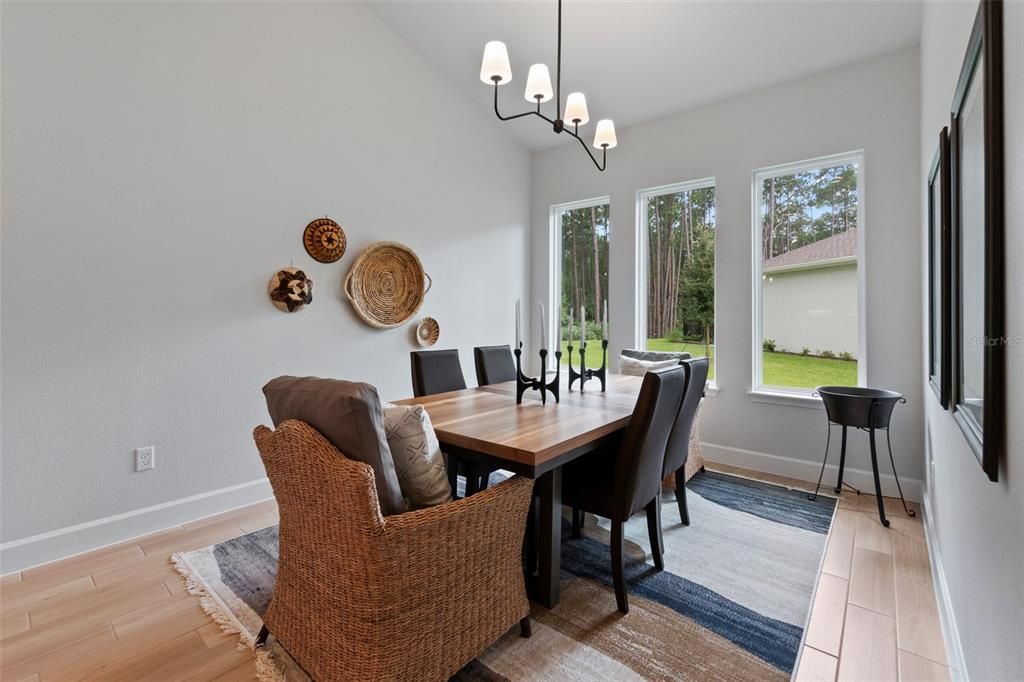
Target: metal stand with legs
{"x": 866, "y": 410}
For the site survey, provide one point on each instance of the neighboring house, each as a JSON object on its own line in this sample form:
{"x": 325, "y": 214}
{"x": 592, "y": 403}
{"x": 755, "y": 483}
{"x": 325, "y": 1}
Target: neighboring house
{"x": 810, "y": 296}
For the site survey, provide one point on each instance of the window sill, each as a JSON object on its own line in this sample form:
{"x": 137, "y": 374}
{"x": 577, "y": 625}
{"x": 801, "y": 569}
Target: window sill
{"x": 791, "y": 398}
{"x": 711, "y": 390}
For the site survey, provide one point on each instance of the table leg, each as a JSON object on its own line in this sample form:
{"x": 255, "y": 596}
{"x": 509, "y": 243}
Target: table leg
{"x": 549, "y": 487}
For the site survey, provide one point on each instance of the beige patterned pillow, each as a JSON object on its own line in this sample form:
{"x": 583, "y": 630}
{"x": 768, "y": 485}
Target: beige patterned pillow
{"x": 417, "y": 454}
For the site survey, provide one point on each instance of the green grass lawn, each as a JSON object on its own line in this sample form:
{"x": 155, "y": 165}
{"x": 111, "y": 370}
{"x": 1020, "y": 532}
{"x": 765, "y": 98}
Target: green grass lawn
{"x": 593, "y": 354}
{"x": 807, "y": 371}
{"x": 780, "y": 369}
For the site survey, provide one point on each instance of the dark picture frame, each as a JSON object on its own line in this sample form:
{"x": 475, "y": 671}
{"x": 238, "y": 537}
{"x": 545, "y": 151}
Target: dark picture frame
{"x": 940, "y": 365}
{"x": 978, "y": 220}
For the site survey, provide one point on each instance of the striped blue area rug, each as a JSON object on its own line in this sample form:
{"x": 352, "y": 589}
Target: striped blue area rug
{"x": 730, "y": 604}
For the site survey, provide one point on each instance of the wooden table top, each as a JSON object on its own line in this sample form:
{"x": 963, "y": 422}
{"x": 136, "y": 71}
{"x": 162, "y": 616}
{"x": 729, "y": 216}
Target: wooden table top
{"x": 530, "y": 438}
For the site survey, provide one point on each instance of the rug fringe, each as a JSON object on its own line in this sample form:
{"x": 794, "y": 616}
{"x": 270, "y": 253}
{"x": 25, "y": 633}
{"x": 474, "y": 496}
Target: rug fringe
{"x": 266, "y": 669}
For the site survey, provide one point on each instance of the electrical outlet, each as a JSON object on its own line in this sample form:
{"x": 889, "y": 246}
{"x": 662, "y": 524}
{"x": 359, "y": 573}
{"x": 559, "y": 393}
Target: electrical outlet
{"x": 145, "y": 458}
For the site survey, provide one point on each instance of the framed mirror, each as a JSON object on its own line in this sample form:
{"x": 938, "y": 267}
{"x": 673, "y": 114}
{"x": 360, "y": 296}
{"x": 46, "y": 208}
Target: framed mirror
{"x": 976, "y": 146}
{"x": 939, "y": 341}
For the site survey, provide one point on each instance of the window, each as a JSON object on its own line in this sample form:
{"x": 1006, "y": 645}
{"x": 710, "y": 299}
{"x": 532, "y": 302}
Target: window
{"x": 580, "y": 272}
{"x": 677, "y": 268}
{"x": 808, "y": 307}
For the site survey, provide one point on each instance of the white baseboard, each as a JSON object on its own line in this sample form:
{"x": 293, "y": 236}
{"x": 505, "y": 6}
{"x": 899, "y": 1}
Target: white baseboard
{"x": 808, "y": 471}
{"x": 18, "y": 555}
{"x": 954, "y": 650}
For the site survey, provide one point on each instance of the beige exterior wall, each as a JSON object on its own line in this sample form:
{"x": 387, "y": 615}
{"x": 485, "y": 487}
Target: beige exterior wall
{"x": 813, "y": 308}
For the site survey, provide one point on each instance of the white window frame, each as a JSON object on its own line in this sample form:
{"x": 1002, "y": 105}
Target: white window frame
{"x": 642, "y": 259}
{"x": 555, "y": 262}
{"x": 799, "y": 396}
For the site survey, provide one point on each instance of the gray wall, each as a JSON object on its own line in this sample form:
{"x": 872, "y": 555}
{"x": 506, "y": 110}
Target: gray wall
{"x": 159, "y": 164}
{"x": 871, "y": 105}
{"x": 977, "y": 526}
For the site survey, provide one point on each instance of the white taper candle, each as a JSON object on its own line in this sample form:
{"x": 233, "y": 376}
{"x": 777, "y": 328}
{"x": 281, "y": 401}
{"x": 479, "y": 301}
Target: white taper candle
{"x": 583, "y": 325}
{"x": 558, "y": 327}
{"x": 519, "y": 333}
{"x": 604, "y": 324}
{"x": 543, "y": 328}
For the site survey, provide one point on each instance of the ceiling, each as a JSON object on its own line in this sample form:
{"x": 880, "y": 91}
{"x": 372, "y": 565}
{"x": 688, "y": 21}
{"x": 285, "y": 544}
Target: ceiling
{"x": 640, "y": 60}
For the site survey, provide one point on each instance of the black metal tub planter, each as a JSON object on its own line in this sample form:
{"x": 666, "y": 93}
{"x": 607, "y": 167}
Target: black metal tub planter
{"x": 867, "y": 409}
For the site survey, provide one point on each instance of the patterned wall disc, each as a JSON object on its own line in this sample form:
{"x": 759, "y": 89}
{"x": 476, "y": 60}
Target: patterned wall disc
{"x": 428, "y": 331}
{"x": 386, "y": 284}
{"x": 324, "y": 240}
{"x": 290, "y": 289}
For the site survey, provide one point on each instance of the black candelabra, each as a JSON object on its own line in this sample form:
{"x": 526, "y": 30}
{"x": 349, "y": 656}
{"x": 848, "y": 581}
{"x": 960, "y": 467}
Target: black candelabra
{"x": 541, "y": 383}
{"x": 584, "y": 374}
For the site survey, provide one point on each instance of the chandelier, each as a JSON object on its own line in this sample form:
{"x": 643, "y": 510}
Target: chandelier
{"x": 497, "y": 70}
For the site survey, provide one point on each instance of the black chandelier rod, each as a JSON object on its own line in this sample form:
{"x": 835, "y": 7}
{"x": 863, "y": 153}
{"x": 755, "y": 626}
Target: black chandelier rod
{"x": 558, "y": 70}
{"x": 557, "y": 124}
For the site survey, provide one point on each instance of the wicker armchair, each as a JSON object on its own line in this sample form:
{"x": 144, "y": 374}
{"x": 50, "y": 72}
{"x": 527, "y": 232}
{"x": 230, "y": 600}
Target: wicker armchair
{"x": 413, "y": 596}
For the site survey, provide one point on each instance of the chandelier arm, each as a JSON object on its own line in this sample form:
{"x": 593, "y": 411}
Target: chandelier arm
{"x": 604, "y": 151}
{"x": 515, "y": 116}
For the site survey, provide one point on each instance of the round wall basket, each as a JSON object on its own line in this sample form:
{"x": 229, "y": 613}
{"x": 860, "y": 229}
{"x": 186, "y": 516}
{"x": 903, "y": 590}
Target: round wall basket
{"x": 290, "y": 289}
{"x": 386, "y": 284}
{"x": 427, "y": 332}
{"x": 324, "y": 240}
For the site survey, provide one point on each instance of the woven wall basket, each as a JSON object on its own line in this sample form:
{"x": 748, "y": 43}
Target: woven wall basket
{"x": 386, "y": 284}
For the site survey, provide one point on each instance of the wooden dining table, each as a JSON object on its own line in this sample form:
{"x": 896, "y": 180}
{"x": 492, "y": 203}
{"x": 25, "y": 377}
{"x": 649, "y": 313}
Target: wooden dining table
{"x": 484, "y": 425}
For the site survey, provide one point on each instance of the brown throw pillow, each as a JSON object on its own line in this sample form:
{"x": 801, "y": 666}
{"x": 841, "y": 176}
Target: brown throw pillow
{"x": 349, "y": 415}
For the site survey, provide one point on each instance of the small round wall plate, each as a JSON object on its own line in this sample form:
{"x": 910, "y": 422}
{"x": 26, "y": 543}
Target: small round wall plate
{"x": 290, "y": 289}
{"x": 324, "y": 240}
{"x": 427, "y": 332}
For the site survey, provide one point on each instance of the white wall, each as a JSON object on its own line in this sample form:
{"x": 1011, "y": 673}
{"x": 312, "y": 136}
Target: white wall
{"x": 814, "y": 308}
{"x": 159, "y": 164}
{"x": 977, "y": 527}
{"x": 872, "y": 105}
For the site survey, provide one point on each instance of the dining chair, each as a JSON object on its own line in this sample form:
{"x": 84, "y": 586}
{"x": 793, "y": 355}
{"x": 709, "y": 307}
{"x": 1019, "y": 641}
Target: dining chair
{"x": 362, "y": 596}
{"x": 617, "y": 482}
{"x": 494, "y": 364}
{"x": 678, "y": 448}
{"x": 436, "y": 371}
{"x": 440, "y": 371}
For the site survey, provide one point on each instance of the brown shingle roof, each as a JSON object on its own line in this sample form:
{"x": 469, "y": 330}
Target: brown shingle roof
{"x": 841, "y": 245}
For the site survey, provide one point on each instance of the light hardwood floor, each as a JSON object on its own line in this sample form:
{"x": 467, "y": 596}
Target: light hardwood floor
{"x": 874, "y": 615}
{"x": 122, "y": 612}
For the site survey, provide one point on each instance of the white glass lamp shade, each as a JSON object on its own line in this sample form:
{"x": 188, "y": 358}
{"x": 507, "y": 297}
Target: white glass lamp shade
{"x": 495, "y": 63}
{"x": 538, "y": 84}
{"x": 576, "y": 109}
{"x": 604, "y": 136}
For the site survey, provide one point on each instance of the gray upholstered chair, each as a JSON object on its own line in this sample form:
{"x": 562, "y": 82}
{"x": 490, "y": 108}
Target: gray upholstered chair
{"x": 678, "y": 448}
{"x": 440, "y": 371}
{"x": 618, "y": 482}
{"x": 494, "y": 365}
{"x": 436, "y": 371}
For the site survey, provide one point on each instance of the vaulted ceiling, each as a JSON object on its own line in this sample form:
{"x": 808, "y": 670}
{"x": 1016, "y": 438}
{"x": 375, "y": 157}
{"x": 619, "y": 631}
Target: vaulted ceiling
{"x": 640, "y": 60}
